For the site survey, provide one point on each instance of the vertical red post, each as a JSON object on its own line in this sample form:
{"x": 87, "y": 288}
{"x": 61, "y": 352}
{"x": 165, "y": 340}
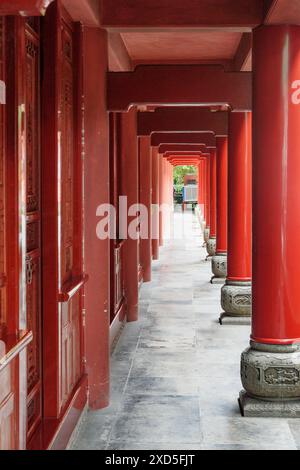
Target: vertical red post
{"x": 236, "y": 294}
{"x": 270, "y": 368}
{"x": 206, "y": 233}
{"x": 161, "y": 198}
{"x": 219, "y": 261}
{"x": 146, "y": 200}
{"x": 96, "y": 192}
{"x": 201, "y": 209}
{"x": 130, "y": 189}
{"x": 155, "y": 203}
{"x": 211, "y": 244}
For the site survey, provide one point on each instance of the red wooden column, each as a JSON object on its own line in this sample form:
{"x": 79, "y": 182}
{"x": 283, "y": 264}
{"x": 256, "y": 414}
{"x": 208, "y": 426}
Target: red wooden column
{"x": 206, "y": 232}
{"x": 155, "y": 203}
{"x": 211, "y": 244}
{"x": 161, "y": 198}
{"x": 96, "y": 193}
{"x": 130, "y": 189}
{"x": 270, "y": 368}
{"x": 146, "y": 200}
{"x": 201, "y": 190}
{"x": 165, "y": 202}
{"x": 236, "y": 294}
{"x": 219, "y": 261}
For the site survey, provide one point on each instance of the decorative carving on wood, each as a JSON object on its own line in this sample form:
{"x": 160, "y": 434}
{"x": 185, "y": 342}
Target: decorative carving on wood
{"x": 67, "y": 156}
{"x": 32, "y": 122}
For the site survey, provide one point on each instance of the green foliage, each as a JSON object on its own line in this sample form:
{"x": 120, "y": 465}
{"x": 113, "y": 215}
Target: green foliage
{"x": 181, "y": 171}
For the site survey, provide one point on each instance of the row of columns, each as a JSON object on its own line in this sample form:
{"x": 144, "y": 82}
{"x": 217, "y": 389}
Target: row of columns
{"x": 270, "y": 368}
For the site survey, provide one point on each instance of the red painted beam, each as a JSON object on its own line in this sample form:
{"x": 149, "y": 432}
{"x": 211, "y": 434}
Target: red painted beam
{"x": 243, "y": 57}
{"x": 118, "y": 56}
{"x": 179, "y": 84}
{"x": 85, "y": 11}
{"x": 124, "y": 14}
{"x": 183, "y": 120}
{"x": 184, "y": 154}
{"x": 181, "y": 148}
{"x": 24, "y": 7}
{"x": 282, "y": 12}
{"x": 187, "y": 138}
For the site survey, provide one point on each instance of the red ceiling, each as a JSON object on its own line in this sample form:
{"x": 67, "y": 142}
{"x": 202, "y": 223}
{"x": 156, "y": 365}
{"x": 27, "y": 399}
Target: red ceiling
{"x": 181, "y": 46}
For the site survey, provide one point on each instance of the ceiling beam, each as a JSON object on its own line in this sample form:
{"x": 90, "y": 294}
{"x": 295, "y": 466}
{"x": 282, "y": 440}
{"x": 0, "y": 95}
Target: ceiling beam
{"x": 119, "y": 59}
{"x": 134, "y": 14}
{"x": 163, "y": 148}
{"x": 186, "y": 138}
{"x": 86, "y": 12}
{"x": 282, "y": 12}
{"x": 244, "y": 53}
{"x": 24, "y": 7}
{"x": 186, "y": 154}
{"x": 183, "y": 120}
{"x": 182, "y": 84}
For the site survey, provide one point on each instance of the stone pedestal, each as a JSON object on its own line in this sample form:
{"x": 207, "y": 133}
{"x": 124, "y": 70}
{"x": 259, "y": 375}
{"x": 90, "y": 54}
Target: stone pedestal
{"x": 270, "y": 375}
{"x": 236, "y": 299}
{"x": 219, "y": 266}
{"x": 211, "y": 246}
{"x": 206, "y": 234}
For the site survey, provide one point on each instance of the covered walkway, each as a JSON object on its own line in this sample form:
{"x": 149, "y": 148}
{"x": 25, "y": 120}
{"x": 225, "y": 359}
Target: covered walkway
{"x": 175, "y": 373}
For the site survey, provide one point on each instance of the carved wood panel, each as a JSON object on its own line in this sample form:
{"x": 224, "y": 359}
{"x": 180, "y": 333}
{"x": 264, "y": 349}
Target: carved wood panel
{"x": 2, "y": 183}
{"x": 71, "y": 345}
{"x": 33, "y": 239}
{"x": 67, "y": 163}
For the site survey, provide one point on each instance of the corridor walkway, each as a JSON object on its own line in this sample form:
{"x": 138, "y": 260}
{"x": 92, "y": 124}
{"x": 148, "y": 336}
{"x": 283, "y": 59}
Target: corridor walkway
{"x": 175, "y": 373}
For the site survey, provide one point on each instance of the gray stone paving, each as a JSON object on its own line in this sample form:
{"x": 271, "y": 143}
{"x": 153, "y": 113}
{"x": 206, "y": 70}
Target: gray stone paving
{"x": 175, "y": 373}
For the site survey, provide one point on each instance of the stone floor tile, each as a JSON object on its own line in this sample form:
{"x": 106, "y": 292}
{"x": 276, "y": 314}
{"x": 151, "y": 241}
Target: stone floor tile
{"x": 171, "y": 419}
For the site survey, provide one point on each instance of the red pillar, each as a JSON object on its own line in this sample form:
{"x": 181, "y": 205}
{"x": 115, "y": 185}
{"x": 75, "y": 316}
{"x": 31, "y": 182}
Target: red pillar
{"x": 130, "y": 180}
{"x": 201, "y": 188}
{"x": 219, "y": 261}
{"x": 96, "y": 252}
{"x": 236, "y": 294}
{"x": 155, "y": 203}
{"x": 166, "y": 209}
{"x": 145, "y": 199}
{"x": 271, "y": 367}
{"x": 161, "y": 195}
{"x": 207, "y": 200}
{"x": 211, "y": 244}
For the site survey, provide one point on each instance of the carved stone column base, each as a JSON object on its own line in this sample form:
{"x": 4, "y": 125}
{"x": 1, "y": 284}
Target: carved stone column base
{"x": 236, "y": 299}
{"x": 254, "y": 408}
{"x": 206, "y": 234}
{"x": 211, "y": 246}
{"x": 271, "y": 378}
{"x": 225, "y": 319}
{"x": 219, "y": 265}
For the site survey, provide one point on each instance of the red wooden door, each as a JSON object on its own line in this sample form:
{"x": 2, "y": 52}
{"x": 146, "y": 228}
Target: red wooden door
{"x": 63, "y": 277}
{"x": 33, "y": 223}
